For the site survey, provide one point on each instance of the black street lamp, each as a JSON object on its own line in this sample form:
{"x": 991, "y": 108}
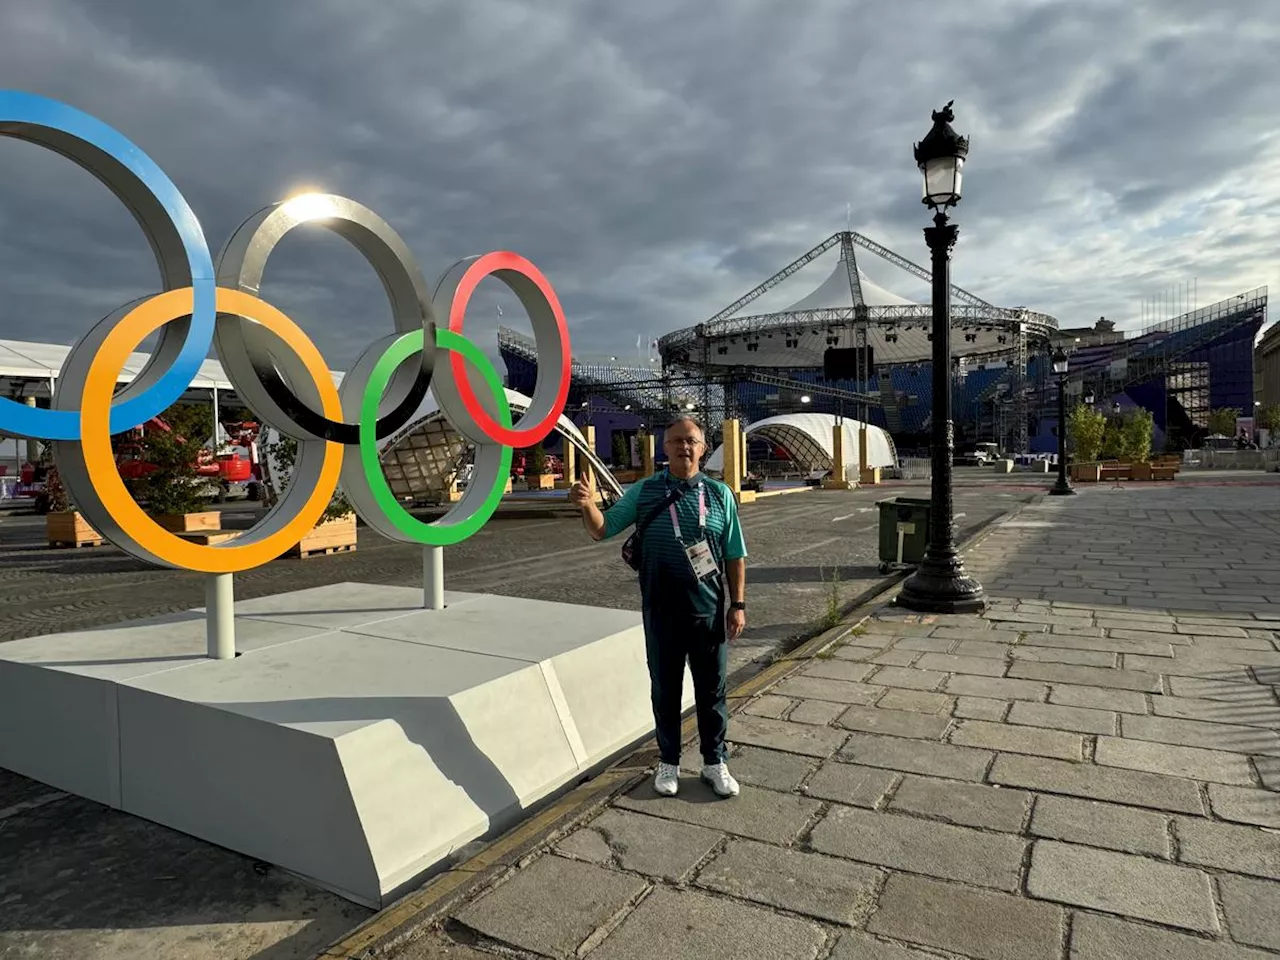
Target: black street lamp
{"x": 1060, "y": 363}
{"x": 940, "y": 585}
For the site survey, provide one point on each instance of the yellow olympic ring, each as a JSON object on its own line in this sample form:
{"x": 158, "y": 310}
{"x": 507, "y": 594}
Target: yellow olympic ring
{"x": 246, "y": 550}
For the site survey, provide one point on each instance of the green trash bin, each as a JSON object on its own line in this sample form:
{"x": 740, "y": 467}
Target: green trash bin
{"x": 910, "y": 517}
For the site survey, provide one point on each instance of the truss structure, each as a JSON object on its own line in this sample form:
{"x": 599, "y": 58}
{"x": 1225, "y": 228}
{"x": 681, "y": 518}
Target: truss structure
{"x": 731, "y": 344}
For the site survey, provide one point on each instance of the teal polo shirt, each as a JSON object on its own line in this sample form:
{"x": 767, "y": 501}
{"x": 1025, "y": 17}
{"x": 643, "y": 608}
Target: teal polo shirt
{"x": 666, "y": 579}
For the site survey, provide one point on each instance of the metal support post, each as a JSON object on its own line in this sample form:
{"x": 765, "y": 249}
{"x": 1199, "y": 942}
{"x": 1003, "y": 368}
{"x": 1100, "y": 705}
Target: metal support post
{"x": 1062, "y": 487}
{"x": 433, "y": 578}
{"x": 940, "y": 585}
{"x": 220, "y": 616}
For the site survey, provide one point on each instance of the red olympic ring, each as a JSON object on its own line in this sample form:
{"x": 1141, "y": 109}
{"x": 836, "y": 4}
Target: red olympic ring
{"x": 484, "y": 266}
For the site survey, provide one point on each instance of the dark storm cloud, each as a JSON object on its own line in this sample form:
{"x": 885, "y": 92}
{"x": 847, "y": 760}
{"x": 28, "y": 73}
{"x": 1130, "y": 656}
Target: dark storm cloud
{"x": 656, "y": 160}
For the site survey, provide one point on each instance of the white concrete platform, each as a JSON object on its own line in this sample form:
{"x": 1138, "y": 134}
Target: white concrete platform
{"x": 358, "y": 739}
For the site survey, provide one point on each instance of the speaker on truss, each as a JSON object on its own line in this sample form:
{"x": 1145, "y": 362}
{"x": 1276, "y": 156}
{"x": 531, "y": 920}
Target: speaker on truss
{"x": 842, "y": 363}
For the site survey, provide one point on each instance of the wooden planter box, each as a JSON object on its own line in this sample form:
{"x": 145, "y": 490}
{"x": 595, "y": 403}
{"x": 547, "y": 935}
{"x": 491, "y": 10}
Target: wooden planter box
{"x": 1116, "y": 471}
{"x": 1086, "y": 472}
{"x": 69, "y": 529}
{"x": 1142, "y": 471}
{"x": 332, "y": 536}
{"x": 190, "y": 522}
{"x": 542, "y": 481}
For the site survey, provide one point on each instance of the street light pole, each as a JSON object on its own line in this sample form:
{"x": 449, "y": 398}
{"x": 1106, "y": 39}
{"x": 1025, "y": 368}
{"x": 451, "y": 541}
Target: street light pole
{"x": 940, "y": 585}
{"x": 1062, "y": 487}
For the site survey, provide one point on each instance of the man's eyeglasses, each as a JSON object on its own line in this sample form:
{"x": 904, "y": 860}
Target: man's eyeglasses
{"x": 685, "y": 441}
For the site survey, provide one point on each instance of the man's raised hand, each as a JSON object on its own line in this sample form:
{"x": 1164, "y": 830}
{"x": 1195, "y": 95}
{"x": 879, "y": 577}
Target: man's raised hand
{"x": 583, "y": 493}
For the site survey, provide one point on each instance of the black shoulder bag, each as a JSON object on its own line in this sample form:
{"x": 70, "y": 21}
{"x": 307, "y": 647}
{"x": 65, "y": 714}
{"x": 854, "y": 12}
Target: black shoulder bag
{"x": 631, "y": 550}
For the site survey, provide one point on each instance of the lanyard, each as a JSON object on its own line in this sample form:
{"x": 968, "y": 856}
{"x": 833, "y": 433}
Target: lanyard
{"x": 702, "y": 516}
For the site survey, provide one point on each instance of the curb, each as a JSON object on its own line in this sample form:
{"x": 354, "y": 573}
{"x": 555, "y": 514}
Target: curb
{"x": 420, "y": 909}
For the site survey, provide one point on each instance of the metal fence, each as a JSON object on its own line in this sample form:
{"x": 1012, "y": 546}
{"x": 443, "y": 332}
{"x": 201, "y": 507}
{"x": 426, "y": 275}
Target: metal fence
{"x": 1268, "y": 460}
{"x": 915, "y": 468}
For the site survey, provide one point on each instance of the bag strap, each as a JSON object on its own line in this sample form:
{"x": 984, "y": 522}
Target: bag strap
{"x": 670, "y": 498}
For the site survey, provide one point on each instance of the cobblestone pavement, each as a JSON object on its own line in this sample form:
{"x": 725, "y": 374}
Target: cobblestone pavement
{"x": 1088, "y": 770}
{"x": 80, "y": 881}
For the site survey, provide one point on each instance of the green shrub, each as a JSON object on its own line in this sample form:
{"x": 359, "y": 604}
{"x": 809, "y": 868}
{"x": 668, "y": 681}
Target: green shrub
{"x": 1085, "y": 430}
{"x": 285, "y": 454}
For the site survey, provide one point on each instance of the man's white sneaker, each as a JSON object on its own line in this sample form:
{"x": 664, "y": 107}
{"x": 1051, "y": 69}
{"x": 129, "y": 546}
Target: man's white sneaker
{"x": 721, "y": 780}
{"x": 667, "y": 781}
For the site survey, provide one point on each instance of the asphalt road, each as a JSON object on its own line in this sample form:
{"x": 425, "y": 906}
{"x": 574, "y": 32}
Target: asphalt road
{"x": 810, "y": 553}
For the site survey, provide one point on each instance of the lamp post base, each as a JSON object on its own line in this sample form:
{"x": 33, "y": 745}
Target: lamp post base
{"x": 942, "y": 588}
{"x": 1061, "y": 489}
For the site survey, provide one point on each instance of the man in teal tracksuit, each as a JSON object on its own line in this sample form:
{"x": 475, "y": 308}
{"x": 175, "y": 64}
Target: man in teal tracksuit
{"x": 692, "y": 588}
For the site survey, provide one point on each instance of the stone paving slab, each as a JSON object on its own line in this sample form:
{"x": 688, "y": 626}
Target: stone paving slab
{"x": 1106, "y": 825}
{"x": 1058, "y": 717}
{"x": 1253, "y": 910}
{"x": 1087, "y": 676}
{"x": 917, "y": 701}
{"x": 1219, "y": 735}
{"x": 1014, "y": 739}
{"x": 968, "y": 920}
{"x": 1096, "y": 698}
{"x": 805, "y": 739}
{"x": 921, "y": 846}
{"x": 553, "y": 905}
{"x": 1124, "y": 884}
{"x": 981, "y": 708}
{"x": 856, "y": 945}
{"x": 1095, "y": 937}
{"x": 823, "y": 887}
{"x": 916, "y": 756}
{"x": 964, "y": 804}
{"x": 996, "y": 688}
{"x": 833, "y": 669}
{"x": 1216, "y": 766}
{"x": 897, "y": 723}
{"x": 709, "y": 928}
{"x": 1237, "y": 849}
{"x": 1245, "y": 805}
{"x": 650, "y": 846}
{"x": 1097, "y": 783}
{"x": 839, "y": 691}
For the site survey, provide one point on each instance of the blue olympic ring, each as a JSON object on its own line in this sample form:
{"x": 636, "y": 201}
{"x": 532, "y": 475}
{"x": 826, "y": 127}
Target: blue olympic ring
{"x": 19, "y": 111}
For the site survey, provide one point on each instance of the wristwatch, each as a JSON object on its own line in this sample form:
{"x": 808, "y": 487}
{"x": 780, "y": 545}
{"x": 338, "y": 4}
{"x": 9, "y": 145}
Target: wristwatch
{"x": 738, "y": 605}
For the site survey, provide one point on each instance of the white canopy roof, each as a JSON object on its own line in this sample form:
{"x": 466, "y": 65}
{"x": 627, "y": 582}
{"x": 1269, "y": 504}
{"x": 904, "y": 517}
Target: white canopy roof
{"x": 25, "y": 360}
{"x": 835, "y": 292}
{"x": 810, "y": 439}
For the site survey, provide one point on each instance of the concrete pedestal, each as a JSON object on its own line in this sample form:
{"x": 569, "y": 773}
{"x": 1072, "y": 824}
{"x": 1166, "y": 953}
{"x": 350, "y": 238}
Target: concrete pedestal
{"x": 357, "y": 740}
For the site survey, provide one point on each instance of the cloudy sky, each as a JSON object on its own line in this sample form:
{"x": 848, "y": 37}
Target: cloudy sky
{"x": 657, "y": 159}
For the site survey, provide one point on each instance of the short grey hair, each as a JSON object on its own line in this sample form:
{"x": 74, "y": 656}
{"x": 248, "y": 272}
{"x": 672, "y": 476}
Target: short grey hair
{"x": 687, "y": 418}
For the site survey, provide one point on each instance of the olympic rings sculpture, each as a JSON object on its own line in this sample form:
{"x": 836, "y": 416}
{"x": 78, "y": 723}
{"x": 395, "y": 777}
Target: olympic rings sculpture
{"x": 275, "y": 367}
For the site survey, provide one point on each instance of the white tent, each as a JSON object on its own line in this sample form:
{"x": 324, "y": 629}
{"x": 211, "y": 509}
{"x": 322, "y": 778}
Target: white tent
{"x": 809, "y": 439}
{"x": 835, "y": 292}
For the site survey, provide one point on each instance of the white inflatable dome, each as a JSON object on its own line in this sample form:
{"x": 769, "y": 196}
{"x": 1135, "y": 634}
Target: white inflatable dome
{"x": 809, "y": 438}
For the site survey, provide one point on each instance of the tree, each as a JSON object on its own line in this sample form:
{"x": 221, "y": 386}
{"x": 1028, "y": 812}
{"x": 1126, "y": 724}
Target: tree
{"x": 1223, "y": 421}
{"x": 621, "y": 450}
{"x": 285, "y": 454}
{"x": 1085, "y": 430}
{"x": 1269, "y": 418}
{"x": 174, "y": 486}
{"x": 1136, "y": 431}
{"x": 537, "y": 461}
